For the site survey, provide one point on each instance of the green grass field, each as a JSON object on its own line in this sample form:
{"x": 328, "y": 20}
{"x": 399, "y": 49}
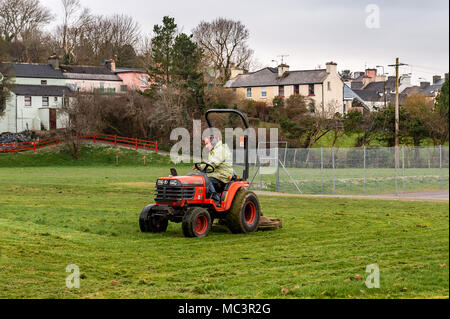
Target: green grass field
{"x": 59, "y": 213}
{"x": 350, "y": 181}
{"x": 55, "y": 211}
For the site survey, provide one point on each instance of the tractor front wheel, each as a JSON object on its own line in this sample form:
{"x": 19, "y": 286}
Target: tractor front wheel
{"x": 151, "y": 223}
{"x": 196, "y": 222}
{"x": 244, "y": 214}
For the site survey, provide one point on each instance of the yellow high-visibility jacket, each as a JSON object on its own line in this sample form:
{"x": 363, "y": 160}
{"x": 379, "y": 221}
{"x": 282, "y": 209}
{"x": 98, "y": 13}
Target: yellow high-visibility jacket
{"x": 220, "y": 158}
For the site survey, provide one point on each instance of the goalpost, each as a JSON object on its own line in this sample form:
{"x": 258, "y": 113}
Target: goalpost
{"x": 275, "y": 163}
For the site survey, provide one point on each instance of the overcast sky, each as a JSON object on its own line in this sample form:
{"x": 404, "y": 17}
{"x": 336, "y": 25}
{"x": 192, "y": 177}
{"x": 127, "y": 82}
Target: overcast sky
{"x": 312, "y": 32}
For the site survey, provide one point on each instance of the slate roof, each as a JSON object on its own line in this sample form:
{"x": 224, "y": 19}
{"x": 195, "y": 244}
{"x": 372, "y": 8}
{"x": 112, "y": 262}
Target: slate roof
{"x": 129, "y": 70}
{"x": 31, "y": 70}
{"x": 269, "y": 77}
{"x": 370, "y": 95}
{"x": 96, "y": 73}
{"x": 356, "y": 85}
{"x": 379, "y": 86}
{"x": 349, "y": 94}
{"x": 41, "y": 90}
{"x": 431, "y": 90}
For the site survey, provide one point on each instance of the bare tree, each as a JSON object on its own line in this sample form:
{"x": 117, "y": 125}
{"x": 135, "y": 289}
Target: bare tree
{"x": 83, "y": 117}
{"x": 19, "y": 17}
{"x": 124, "y": 30}
{"x": 84, "y": 38}
{"x": 75, "y": 18}
{"x": 224, "y": 43}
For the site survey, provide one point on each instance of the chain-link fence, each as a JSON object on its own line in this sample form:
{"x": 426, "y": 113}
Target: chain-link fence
{"x": 353, "y": 171}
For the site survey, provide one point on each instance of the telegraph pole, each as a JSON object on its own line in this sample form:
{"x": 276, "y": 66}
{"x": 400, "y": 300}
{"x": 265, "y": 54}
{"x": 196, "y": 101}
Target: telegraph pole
{"x": 397, "y": 109}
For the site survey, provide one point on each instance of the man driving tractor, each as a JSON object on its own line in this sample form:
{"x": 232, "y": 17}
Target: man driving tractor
{"x": 181, "y": 199}
{"x": 220, "y": 158}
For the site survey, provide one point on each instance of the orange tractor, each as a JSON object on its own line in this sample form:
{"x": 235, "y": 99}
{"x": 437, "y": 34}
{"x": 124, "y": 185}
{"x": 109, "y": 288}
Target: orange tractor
{"x": 183, "y": 199}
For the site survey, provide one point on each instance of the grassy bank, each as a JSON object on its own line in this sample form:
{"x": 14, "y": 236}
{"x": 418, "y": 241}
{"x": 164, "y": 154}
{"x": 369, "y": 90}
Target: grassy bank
{"x": 89, "y": 155}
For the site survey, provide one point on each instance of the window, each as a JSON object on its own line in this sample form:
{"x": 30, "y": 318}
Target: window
{"x": 249, "y": 93}
{"x": 123, "y": 88}
{"x": 329, "y": 85}
{"x": 27, "y": 100}
{"x": 296, "y": 89}
{"x": 43, "y": 82}
{"x": 144, "y": 80}
{"x": 312, "y": 108}
{"x": 55, "y": 99}
{"x": 311, "y": 90}
{"x": 263, "y": 92}
{"x": 45, "y": 101}
{"x": 281, "y": 91}
{"x": 102, "y": 85}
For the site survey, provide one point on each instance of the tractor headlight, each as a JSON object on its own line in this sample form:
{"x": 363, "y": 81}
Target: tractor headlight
{"x": 160, "y": 182}
{"x": 175, "y": 182}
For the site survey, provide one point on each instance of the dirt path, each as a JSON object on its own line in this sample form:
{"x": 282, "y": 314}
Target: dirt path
{"x": 436, "y": 196}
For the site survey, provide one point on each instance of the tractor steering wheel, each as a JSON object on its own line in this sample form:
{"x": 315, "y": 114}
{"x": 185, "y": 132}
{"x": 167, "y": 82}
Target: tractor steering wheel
{"x": 205, "y": 169}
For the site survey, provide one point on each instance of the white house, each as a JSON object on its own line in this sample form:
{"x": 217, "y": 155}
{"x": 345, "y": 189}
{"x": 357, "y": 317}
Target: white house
{"x": 38, "y": 91}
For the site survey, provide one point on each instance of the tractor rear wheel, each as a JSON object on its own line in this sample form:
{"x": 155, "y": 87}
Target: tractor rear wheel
{"x": 244, "y": 214}
{"x": 196, "y": 222}
{"x": 151, "y": 223}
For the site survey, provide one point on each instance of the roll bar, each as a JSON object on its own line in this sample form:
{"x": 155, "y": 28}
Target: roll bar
{"x": 244, "y": 119}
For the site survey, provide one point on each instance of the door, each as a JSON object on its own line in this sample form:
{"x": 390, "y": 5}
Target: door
{"x": 52, "y": 113}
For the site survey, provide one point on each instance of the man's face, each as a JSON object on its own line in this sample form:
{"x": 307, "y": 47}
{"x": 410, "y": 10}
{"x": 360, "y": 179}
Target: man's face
{"x": 208, "y": 144}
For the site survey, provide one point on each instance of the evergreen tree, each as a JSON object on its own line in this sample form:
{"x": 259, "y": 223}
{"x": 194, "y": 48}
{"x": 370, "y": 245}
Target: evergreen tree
{"x": 162, "y": 50}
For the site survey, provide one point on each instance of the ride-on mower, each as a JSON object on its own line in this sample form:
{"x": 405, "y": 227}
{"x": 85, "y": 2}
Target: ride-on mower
{"x": 183, "y": 199}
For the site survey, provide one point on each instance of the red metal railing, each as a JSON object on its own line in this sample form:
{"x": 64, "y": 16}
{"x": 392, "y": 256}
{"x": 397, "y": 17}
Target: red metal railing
{"x": 135, "y": 143}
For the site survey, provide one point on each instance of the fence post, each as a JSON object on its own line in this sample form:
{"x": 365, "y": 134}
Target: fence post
{"x": 440, "y": 167}
{"x": 34, "y": 146}
{"x": 12, "y": 148}
{"x": 365, "y": 170}
{"x": 156, "y": 146}
{"x": 334, "y": 172}
{"x": 396, "y": 170}
{"x": 260, "y": 177}
{"x": 403, "y": 168}
{"x": 136, "y": 143}
{"x": 94, "y": 138}
{"x": 321, "y": 167}
{"x": 277, "y": 177}
{"x": 115, "y": 140}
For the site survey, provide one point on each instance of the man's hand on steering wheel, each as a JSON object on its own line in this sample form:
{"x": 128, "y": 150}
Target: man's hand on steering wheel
{"x": 208, "y": 169}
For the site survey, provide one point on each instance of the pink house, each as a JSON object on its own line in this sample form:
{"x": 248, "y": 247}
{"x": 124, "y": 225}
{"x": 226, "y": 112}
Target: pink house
{"x": 134, "y": 79}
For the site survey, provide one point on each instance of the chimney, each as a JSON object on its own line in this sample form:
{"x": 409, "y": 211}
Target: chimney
{"x": 236, "y": 72}
{"x": 424, "y": 84}
{"x": 331, "y": 67}
{"x": 371, "y": 73}
{"x": 282, "y": 69}
{"x": 436, "y": 78}
{"x": 53, "y": 60}
{"x": 111, "y": 65}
